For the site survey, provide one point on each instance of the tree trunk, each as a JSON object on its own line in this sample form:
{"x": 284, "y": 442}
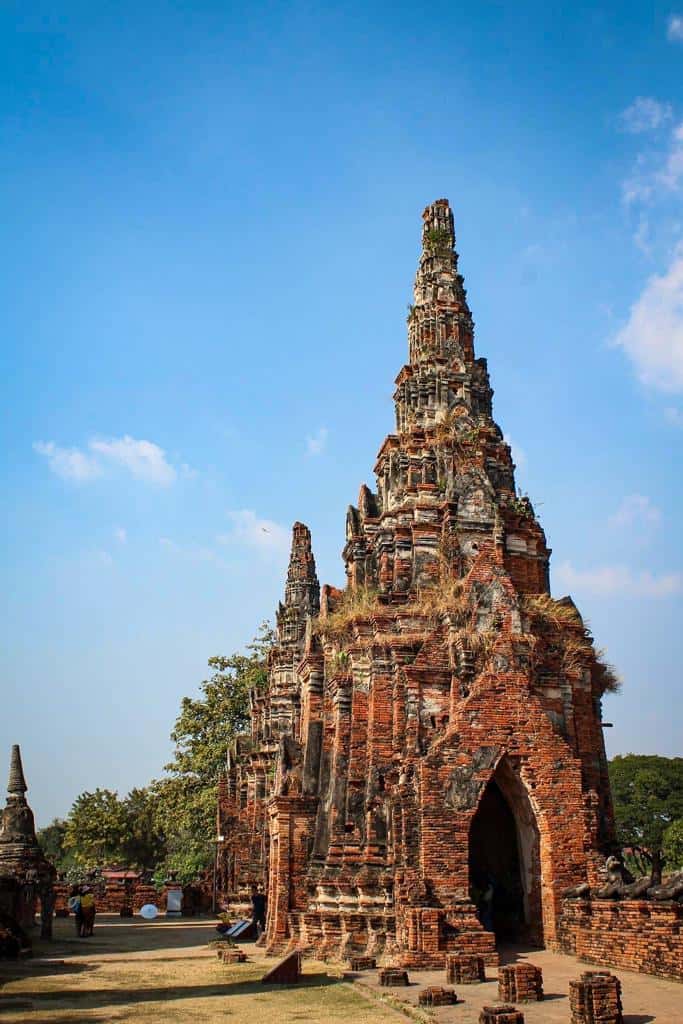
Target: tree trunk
{"x": 657, "y": 865}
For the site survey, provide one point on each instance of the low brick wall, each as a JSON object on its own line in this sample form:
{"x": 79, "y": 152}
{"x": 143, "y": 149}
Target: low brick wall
{"x": 640, "y": 935}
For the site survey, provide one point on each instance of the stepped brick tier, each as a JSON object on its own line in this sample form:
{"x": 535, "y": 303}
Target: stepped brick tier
{"x": 520, "y": 983}
{"x": 596, "y": 999}
{"x": 26, "y": 877}
{"x": 501, "y": 1015}
{"x": 432, "y": 732}
{"x": 637, "y": 935}
{"x": 465, "y": 970}
{"x": 393, "y": 976}
{"x": 435, "y": 996}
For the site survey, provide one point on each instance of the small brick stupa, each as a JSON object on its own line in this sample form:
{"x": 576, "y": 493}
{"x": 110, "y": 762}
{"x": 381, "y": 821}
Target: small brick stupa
{"x": 25, "y": 875}
{"x": 426, "y": 769}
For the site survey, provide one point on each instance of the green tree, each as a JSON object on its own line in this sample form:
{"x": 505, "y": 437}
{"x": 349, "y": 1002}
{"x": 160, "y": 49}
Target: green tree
{"x": 207, "y": 725}
{"x": 648, "y": 798}
{"x": 96, "y": 829}
{"x": 144, "y": 843}
{"x": 51, "y": 841}
{"x": 673, "y": 845}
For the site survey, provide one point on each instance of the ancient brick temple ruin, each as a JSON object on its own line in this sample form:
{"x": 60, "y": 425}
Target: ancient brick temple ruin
{"x": 433, "y": 731}
{"x": 26, "y": 877}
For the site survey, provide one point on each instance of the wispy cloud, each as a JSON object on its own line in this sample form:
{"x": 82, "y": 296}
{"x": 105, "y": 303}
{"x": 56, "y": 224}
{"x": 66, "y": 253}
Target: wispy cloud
{"x": 674, "y": 28}
{"x": 657, "y": 172}
{"x": 636, "y": 510}
{"x": 144, "y": 460}
{"x": 645, "y": 114}
{"x": 618, "y": 580}
{"x": 316, "y": 443}
{"x": 68, "y": 463}
{"x": 652, "y": 337}
{"x": 120, "y": 534}
{"x": 265, "y": 535}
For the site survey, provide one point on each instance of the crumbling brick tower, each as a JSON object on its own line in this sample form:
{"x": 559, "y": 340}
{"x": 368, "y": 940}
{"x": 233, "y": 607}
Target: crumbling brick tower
{"x": 442, "y": 741}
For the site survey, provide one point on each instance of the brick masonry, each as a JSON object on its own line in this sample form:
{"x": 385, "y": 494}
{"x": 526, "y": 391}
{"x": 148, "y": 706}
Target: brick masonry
{"x": 435, "y": 727}
{"x": 595, "y": 998}
{"x": 639, "y": 935}
{"x": 520, "y": 983}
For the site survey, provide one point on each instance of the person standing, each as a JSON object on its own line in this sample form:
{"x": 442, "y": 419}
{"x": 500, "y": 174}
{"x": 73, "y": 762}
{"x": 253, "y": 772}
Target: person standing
{"x": 258, "y": 905}
{"x": 87, "y": 912}
{"x": 74, "y": 905}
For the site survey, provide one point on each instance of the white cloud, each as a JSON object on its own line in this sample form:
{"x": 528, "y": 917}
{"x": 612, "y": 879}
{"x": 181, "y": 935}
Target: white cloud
{"x": 263, "y": 534}
{"x": 636, "y": 509}
{"x": 120, "y": 534}
{"x": 658, "y": 171}
{"x": 652, "y": 337}
{"x": 673, "y": 416}
{"x": 674, "y": 28}
{"x": 618, "y": 580}
{"x": 143, "y": 459}
{"x": 69, "y": 463}
{"x": 645, "y": 115}
{"x": 518, "y": 454}
{"x": 315, "y": 445}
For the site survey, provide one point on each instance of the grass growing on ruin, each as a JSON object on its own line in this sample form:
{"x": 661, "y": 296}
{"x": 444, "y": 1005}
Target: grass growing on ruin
{"x": 353, "y": 603}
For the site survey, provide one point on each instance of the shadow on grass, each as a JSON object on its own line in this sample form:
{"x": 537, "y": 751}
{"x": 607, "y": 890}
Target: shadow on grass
{"x": 92, "y": 998}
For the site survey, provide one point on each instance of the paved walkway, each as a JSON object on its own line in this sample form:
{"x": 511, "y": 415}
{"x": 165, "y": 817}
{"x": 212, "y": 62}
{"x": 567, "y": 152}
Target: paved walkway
{"x": 645, "y": 998}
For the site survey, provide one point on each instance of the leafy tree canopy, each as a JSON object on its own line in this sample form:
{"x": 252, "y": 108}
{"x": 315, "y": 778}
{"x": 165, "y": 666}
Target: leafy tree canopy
{"x": 673, "y": 845}
{"x": 648, "y": 798}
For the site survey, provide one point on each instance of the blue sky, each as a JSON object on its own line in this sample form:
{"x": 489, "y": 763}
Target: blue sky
{"x": 211, "y": 218}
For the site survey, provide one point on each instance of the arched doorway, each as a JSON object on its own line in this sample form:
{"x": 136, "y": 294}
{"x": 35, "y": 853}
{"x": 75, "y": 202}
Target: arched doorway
{"x": 504, "y": 860}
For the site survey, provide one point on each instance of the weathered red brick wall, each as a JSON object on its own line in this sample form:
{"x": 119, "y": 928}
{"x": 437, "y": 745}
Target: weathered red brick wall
{"x": 636, "y": 934}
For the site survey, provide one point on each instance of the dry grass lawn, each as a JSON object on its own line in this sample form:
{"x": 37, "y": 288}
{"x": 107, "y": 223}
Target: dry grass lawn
{"x": 164, "y": 971}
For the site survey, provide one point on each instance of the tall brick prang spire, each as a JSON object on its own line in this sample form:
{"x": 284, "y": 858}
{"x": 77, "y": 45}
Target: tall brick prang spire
{"x": 417, "y": 736}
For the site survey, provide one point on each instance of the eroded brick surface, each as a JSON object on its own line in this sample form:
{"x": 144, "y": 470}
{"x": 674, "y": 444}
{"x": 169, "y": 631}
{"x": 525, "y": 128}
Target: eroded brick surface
{"x": 596, "y": 999}
{"x": 465, "y": 970}
{"x": 442, "y": 687}
{"x": 520, "y": 983}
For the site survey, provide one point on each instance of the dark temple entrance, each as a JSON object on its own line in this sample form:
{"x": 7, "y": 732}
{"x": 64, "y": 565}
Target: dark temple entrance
{"x": 496, "y": 874}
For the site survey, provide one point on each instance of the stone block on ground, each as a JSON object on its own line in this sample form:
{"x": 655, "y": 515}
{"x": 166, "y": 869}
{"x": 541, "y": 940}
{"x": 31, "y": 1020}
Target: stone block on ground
{"x": 595, "y": 998}
{"x": 520, "y": 983}
{"x": 232, "y": 955}
{"x": 501, "y": 1015}
{"x": 465, "y": 968}
{"x": 437, "y": 996}
{"x": 393, "y": 976}
{"x": 362, "y": 963}
{"x": 287, "y": 972}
